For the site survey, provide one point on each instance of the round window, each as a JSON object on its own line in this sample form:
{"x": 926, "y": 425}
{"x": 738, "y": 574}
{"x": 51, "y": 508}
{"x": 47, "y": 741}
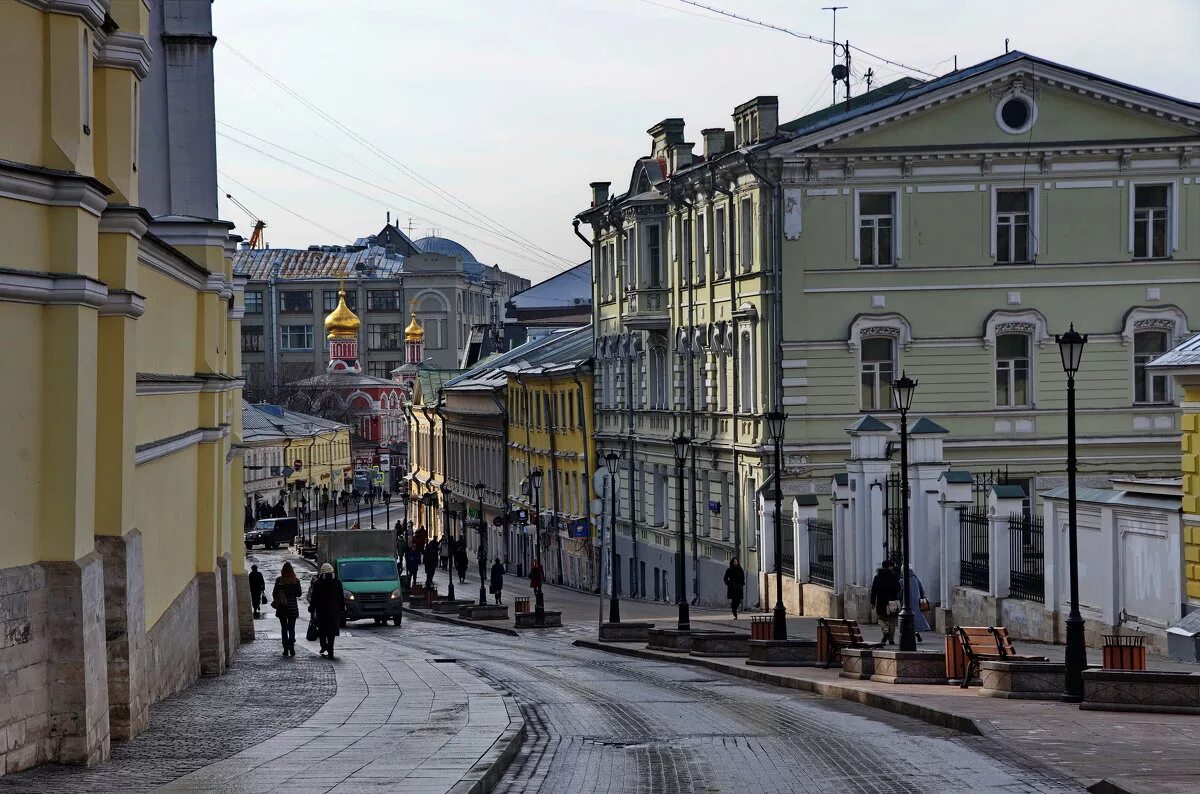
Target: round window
{"x": 1016, "y": 114}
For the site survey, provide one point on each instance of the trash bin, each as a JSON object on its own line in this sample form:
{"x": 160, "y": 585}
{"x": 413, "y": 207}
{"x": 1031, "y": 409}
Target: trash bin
{"x": 522, "y": 604}
{"x": 761, "y": 627}
{"x": 1124, "y": 652}
{"x": 430, "y": 595}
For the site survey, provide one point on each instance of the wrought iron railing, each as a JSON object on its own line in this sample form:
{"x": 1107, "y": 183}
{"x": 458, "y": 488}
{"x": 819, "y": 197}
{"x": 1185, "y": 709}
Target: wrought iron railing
{"x": 1027, "y": 557}
{"x": 820, "y": 551}
{"x": 973, "y": 547}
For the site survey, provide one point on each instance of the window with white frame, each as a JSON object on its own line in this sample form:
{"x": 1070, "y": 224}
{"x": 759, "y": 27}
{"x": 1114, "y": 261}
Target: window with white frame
{"x": 1151, "y": 209}
{"x": 746, "y": 243}
{"x": 660, "y": 394}
{"x": 653, "y": 253}
{"x": 1149, "y": 387}
{"x": 701, "y": 245}
{"x": 296, "y": 337}
{"x": 877, "y": 229}
{"x": 1013, "y": 225}
{"x": 638, "y": 364}
{"x": 719, "y": 243}
{"x": 611, "y": 271}
{"x": 625, "y": 243}
{"x": 746, "y": 371}
{"x": 1012, "y": 371}
{"x": 877, "y": 369}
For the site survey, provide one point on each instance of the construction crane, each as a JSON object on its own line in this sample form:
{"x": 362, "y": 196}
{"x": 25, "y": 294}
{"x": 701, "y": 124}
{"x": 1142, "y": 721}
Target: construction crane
{"x": 256, "y": 237}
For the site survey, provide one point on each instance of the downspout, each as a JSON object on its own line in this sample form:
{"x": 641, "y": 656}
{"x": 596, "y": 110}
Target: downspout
{"x": 429, "y": 419}
{"x": 690, "y": 370}
{"x": 732, "y": 269}
{"x": 587, "y": 462}
{"x": 504, "y": 506}
{"x": 437, "y": 410}
{"x": 634, "y": 572}
{"x": 586, "y": 241}
{"x": 554, "y": 479}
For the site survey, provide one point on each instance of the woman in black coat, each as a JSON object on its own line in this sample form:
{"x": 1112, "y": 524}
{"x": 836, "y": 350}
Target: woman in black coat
{"x": 326, "y": 605}
{"x": 461, "y": 560}
{"x": 285, "y": 598}
{"x": 735, "y": 584}
{"x": 497, "y": 580}
{"x": 885, "y": 595}
{"x": 430, "y": 557}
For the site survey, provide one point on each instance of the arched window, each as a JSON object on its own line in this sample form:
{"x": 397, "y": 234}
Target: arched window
{"x": 1012, "y": 371}
{"x": 746, "y": 371}
{"x": 877, "y": 369}
{"x": 1149, "y": 387}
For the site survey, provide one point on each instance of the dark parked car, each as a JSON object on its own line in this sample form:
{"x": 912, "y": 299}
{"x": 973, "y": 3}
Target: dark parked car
{"x": 272, "y": 532}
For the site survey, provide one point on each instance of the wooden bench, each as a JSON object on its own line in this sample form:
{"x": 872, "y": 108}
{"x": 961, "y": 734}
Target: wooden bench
{"x": 987, "y": 644}
{"x": 834, "y": 634}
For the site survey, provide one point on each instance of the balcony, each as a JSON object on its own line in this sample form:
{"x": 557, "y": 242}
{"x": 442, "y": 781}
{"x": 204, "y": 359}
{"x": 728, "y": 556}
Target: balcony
{"x": 646, "y": 309}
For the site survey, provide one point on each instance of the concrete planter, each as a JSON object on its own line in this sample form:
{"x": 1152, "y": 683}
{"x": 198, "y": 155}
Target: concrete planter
{"x": 625, "y": 632}
{"x": 1146, "y": 691}
{"x": 858, "y": 663}
{"x": 909, "y": 667}
{"x": 485, "y": 612}
{"x": 450, "y": 607}
{"x": 783, "y": 653}
{"x": 671, "y": 640}
{"x": 1022, "y": 680}
{"x": 528, "y": 620}
{"x": 724, "y": 643}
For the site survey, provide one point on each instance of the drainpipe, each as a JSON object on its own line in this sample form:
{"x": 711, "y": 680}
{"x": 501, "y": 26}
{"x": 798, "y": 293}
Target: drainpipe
{"x": 587, "y": 459}
{"x": 554, "y": 479}
{"x": 437, "y": 410}
{"x": 425, "y": 410}
{"x": 528, "y": 464}
{"x": 586, "y": 241}
{"x": 732, "y": 269}
{"x": 690, "y": 370}
{"x": 502, "y": 407}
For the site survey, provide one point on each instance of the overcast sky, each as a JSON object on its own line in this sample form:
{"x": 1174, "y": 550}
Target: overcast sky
{"x": 511, "y": 107}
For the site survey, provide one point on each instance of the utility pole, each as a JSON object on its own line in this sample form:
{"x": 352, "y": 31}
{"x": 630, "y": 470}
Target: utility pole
{"x": 834, "y": 9}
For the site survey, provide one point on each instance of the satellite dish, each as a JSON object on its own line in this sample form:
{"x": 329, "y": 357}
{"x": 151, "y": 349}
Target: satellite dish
{"x": 840, "y": 72}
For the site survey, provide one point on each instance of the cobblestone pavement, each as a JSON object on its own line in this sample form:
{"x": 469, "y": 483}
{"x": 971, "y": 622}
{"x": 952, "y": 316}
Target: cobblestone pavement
{"x": 261, "y": 695}
{"x": 599, "y": 723}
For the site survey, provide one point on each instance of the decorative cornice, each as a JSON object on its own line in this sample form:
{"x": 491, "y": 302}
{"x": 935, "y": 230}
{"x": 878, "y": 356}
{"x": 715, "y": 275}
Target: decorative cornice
{"x": 93, "y": 11}
{"x": 52, "y": 187}
{"x": 153, "y": 450}
{"x": 58, "y": 289}
{"x": 125, "y": 219}
{"x": 124, "y": 303}
{"x": 180, "y": 230}
{"x": 237, "y": 313}
{"x": 158, "y": 255}
{"x": 121, "y": 50}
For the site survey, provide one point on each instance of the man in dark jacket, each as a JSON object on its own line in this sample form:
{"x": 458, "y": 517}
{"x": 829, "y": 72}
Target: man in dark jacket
{"x": 326, "y": 605}
{"x": 430, "y": 557}
{"x": 885, "y": 594}
{"x": 497, "y": 580}
{"x": 258, "y": 586}
{"x": 461, "y": 560}
{"x": 735, "y": 584}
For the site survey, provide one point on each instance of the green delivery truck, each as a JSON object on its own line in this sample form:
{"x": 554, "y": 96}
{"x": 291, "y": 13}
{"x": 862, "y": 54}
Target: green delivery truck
{"x": 365, "y": 561}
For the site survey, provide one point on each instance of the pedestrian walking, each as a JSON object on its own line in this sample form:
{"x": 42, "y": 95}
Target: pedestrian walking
{"x": 916, "y": 602}
{"x": 536, "y": 576}
{"x": 885, "y": 599}
{"x": 420, "y": 538}
{"x": 412, "y": 562}
{"x": 327, "y": 605}
{"x": 285, "y": 598}
{"x": 461, "y": 561}
{"x": 430, "y": 558}
{"x": 735, "y": 585}
{"x": 444, "y": 554}
{"x": 497, "y": 580}
{"x": 258, "y": 589}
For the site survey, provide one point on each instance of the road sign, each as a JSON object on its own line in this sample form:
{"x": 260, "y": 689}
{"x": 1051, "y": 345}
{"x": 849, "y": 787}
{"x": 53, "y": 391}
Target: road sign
{"x": 714, "y": 508}
{"x": 579, "y": 529}
{"x": 298, "y": 465}
{"x": 601, "y": 479}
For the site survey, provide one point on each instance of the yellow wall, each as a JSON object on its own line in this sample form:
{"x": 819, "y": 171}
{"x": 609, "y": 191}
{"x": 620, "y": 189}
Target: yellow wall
{"x": 22, "y": 78}
{"x": 21, "y": 413}
{"x": 169, "y": 563}
{"x": 165, "y": 338}
{"x": 1191, "y": 493}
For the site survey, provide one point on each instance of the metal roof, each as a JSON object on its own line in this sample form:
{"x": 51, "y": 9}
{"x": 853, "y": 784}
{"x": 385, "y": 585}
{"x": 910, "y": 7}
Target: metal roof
{"x": 572, "y": 287}
{"x": 266, "y": 422}
{"x": 1185, "y": 356}
{"x": 260, "y": 264}
{"x": 446, "y": 247}
{"x": 563, "y": 348}
{"x": 1117, "y": 497}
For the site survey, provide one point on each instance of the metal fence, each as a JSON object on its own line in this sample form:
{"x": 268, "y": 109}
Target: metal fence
{"x": 893, "y": 513}
{"x": 973, "y": 547}
{"x": 820, "y": 551}
{"x": 788, "y": 561}
{"x": 1027, "y": 557}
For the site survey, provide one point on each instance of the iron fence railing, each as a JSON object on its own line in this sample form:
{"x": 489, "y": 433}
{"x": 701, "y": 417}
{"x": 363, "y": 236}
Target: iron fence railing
{"x": 1027, "y": 557}
{"x": 820, "y": 551}
{"x": 973, "y": 547}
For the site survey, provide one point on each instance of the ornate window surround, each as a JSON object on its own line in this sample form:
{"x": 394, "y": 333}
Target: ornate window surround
{"x": 1025, "y": 321}
{"x": 1167, "y": 318}
{"x": 895, "y": 326}
{"x": 1173, "y": 198}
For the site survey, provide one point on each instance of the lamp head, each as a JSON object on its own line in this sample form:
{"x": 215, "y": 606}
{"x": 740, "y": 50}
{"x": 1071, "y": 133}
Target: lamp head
{"x": 776, "y": 421}
{"x": 1070, "y": 347}
{"x": 681, "y": 443}
{"x": 611, "y": 460}
{"x": 902, "y": 392}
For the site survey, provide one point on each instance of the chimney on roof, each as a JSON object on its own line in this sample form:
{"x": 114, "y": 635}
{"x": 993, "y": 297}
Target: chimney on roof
{"x": 664, "y": 134}
{"x": 389, "y": 218}
{"x": 714, "y": 142}
{"x": 756, "y": 120}
{"x": 599, "y": 193}
{"x": 679, "y": 156}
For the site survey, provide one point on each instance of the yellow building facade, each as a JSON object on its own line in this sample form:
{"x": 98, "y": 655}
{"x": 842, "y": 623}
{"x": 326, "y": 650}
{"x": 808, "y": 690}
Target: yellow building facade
{"x": 121, "y": 563}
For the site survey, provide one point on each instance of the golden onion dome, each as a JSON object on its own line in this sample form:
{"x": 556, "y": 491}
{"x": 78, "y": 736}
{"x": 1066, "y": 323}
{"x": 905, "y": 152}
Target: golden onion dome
{"x": 414, "y": 332}
{"x": 341, "y": 322}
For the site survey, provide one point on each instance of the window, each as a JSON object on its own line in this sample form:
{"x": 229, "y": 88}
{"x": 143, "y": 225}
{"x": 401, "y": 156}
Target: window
{"x": 254, "y": 302}
{"x": 329, "y": 300}
{"x": 746, "y": 372}
{"x": 296, "y": 337}
{"x": 1012, "y": 226}
{"x": 385, "y": 300}
{"x": 625, "y": 260}
{"x": 660, "y": 498}
{"x": 701, "y": 245}
{"x": 685, "y": 265}
{"x": 296, "y": 303}
{"x": 1012, "y": 371}
{"x": 1150, "y": 207}
{"x": 722, "y": 361}
{"x": 385, "y": 336}
{"x": 876, "y": 372}
{"x": 1149, "y": 387}
{"x": 719, "y": 244}
{"x": 746, "y": 243}
{"x": 1016, "y": 114}
{"x": 653, "y": 255}
{"x": 876, "y": 229}
{"x": 382, "y": 369}
{"x": 659, "y": 393}
{"x": 252, "y": 336}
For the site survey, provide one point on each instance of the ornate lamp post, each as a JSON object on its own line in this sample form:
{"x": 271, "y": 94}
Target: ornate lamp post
{"x": 405, "y": 498}
{"x": 370, "y": 498}
{"x": 325, "y": 506}
{"x": 611, "y": 461}
{"x": 902, "y": 394}
{"x": 357, "y": 498}
{"x": 448, "y": 538}
{"x": 681, "y": 448}
{"x": 479, "y": 489}
{"x": 1070, "y": 346}
{"x": 387, "y": 512}
{"x": 535, "y": 485}
{"x": 776, "y": 421}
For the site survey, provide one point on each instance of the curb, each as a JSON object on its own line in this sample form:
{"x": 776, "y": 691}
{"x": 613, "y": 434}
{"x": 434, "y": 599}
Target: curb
{"x": 484, "y": 776}
{"x": 944, "y": 719}
{"x": 432, "y": 618}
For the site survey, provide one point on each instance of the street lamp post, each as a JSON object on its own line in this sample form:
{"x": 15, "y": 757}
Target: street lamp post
{"x": 448, "y": 538}
{"x": 405, "y": 498}
{"x": 535, "y": 484}
{"x": 1070, "y": 346}
{"x": 479, "y": 489}
{"x": 681, "y": 448}
{"x": 902, "y": 394}
{"x": 776, "y": 420}
{"x": 387, "y": 508}
{"x": 370, "y": 497}
{"x": 325, "y": 507}
{"x": 611, "y": 460}
{"x": 357, "y": 498}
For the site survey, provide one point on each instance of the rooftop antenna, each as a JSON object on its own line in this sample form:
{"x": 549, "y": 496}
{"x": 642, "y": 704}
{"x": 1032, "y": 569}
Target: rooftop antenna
{"x": 841, "y": 72}
{"x": 834, "y": 9}
{"x": 870, "y": 77}
{"x": 410, "y": 227}
{"x": 1006, "y": 46}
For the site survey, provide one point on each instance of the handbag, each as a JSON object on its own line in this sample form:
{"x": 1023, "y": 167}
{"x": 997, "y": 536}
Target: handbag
{"x": 923, "y": 605}
{"x": 264, "y": 598}
{"x": 311, "y": 634}
{"x": 893, "y": 607}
